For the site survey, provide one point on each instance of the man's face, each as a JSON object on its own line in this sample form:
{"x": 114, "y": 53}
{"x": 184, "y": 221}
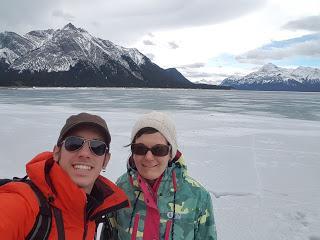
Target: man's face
{"x": 83, "y": 166}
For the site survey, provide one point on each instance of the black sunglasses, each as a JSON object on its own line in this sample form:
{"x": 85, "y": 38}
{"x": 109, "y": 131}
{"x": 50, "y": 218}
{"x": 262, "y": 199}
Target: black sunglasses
{"x": 74, "y": 143}
{"x": 158, "y": 150}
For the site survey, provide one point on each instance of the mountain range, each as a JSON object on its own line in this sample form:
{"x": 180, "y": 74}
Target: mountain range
{"x": 273, "y": 78}
{"x": 72, "y": 57}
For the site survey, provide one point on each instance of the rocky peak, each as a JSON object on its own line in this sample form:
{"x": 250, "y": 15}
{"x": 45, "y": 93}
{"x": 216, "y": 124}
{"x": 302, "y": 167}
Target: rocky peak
{"x": 70, "y": 27}
{"x": 269, "y": 67}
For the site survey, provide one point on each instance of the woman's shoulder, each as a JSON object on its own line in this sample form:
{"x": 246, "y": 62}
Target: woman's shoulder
{"x": 193, "y": 186}
{"x": 123, "y": 180}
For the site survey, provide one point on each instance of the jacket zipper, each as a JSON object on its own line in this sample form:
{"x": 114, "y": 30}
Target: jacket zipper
{"x": 85, "y": 230}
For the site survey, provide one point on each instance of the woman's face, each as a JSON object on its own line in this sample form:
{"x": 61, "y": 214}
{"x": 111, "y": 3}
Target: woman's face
{"x": 149, "y": 166}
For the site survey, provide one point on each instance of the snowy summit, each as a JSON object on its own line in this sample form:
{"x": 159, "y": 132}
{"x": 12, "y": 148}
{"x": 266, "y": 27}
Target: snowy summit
{"x": 272, "y": 77}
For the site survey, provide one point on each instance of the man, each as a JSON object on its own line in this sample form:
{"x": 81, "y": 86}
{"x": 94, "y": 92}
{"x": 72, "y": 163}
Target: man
{"x": 69, "y": 179}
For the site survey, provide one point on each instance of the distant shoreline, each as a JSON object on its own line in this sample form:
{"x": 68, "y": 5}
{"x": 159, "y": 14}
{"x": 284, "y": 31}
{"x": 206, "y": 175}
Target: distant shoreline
{"x": 151, "y": 88}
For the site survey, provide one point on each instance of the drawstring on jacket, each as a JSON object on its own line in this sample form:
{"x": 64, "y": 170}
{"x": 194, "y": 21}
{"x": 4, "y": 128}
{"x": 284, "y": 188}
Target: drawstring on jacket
{"x": 174, "y": 181}
{"x": 133, "y": 210}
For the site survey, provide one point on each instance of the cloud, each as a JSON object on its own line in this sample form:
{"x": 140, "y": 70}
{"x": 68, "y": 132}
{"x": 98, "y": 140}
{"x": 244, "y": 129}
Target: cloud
{"x": 173, "y": 45}
{"x": 202, "y": 74}
{"x": 61, "y": 14}
{"x": 116, "y": 22}
{"x": 23, "y": 16}
{"x": 148, "y": 42}
{"x": 307, "y": 46}
{"x": 311, "y": 23}
{"x": 150, "y": 56}
{"x": 192, "y": 65}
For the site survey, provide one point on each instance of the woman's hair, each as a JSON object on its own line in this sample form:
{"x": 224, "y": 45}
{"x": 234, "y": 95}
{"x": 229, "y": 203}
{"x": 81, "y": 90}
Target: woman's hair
{"x": 145, "y": 130}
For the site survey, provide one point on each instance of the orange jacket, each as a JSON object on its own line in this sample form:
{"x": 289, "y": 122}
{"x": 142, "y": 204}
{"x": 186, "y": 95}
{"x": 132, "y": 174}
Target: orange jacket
{"x": 19, "y": 205}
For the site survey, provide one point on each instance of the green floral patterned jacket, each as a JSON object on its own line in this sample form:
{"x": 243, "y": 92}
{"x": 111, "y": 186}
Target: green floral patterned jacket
{"x": 184, "y": 205}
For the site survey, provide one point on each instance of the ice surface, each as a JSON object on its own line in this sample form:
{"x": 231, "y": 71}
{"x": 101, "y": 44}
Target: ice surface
{"x": 256, "y": 152}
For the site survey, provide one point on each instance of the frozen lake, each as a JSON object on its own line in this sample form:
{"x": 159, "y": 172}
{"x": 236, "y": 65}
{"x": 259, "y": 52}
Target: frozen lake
{"x": 257, "y": 152}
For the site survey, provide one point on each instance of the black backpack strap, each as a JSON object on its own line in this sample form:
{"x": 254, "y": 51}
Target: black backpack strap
{"x": 4, "y": 181}
{"x": 59, "y": 223}
{"x": 42, "y": 225}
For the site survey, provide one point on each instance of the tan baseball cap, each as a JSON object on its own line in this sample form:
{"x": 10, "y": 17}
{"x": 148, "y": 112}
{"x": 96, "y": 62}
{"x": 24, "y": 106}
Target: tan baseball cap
{"x": 85, "y": 119}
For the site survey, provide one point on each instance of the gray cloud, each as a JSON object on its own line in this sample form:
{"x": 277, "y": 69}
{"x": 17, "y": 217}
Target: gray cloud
{"x": 63, "y": 15}
{"x": 193, "y": 65}
{"x": 23, "y": 16}
{"x": 116, "y": 22}
{"x": 311, "y": 23}
{"x": 148, "y": 42}
{"x": 173, "y": 45}
{"x": 201, "y": 74}
{"x": 309, "y": 48}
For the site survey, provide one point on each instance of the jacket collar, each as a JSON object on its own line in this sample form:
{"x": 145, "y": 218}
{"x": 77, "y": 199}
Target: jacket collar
{"x": 63, "y": 193}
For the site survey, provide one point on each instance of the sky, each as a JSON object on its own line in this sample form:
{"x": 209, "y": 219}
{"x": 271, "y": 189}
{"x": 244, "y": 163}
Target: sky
{"x": 206, "y": 40}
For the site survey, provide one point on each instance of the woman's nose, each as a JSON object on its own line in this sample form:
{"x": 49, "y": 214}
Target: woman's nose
{"x": 149, "y": 155}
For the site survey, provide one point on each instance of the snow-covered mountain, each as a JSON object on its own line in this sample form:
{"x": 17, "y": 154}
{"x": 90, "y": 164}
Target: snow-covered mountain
{"x": 59, "y": 50}
{"x": 13, "y": 46}
{"x": 272, "y": 77}
{"x": 73, "y": 57}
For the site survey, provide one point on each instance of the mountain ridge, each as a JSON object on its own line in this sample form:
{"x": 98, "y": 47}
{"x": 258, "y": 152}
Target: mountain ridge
{"x": 71, "y": 56}
{"x": 273, "y": 78}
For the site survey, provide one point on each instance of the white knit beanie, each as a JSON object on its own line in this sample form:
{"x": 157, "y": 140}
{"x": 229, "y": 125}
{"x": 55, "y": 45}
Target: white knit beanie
{"x": 161, "y": 122}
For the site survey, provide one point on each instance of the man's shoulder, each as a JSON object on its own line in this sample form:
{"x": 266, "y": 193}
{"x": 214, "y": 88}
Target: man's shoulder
{"x": 18, "y": 195}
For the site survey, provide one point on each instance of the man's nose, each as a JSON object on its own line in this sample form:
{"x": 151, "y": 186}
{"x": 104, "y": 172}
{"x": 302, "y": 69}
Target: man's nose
{"x": 85, "y": 150}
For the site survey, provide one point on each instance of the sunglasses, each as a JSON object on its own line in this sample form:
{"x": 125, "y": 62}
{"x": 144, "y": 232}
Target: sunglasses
{"x": 158, "y": 150}
{"x": 97, "y": 147}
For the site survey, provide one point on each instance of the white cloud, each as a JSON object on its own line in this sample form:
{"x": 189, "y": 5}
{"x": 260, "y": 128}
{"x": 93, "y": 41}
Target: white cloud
{"x": 150, "y": 56}
{"x": 63, "y": 15}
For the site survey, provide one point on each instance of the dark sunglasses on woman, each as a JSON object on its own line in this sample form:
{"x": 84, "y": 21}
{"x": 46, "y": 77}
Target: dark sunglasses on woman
{"x": 158, "y": 150}
{"x": 74, "y": 143}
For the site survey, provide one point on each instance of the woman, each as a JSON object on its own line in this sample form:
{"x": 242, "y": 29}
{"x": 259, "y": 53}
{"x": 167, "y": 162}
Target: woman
{"x": 165, "y": 202}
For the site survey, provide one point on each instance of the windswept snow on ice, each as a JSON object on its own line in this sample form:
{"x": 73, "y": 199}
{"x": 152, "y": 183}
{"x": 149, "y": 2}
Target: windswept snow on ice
{"x": 256, "y": 152}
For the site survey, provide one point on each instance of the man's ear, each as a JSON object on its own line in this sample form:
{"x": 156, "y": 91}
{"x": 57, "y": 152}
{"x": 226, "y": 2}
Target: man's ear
{"x": 106, "y": 160}
{"x": 56, "y": 153}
